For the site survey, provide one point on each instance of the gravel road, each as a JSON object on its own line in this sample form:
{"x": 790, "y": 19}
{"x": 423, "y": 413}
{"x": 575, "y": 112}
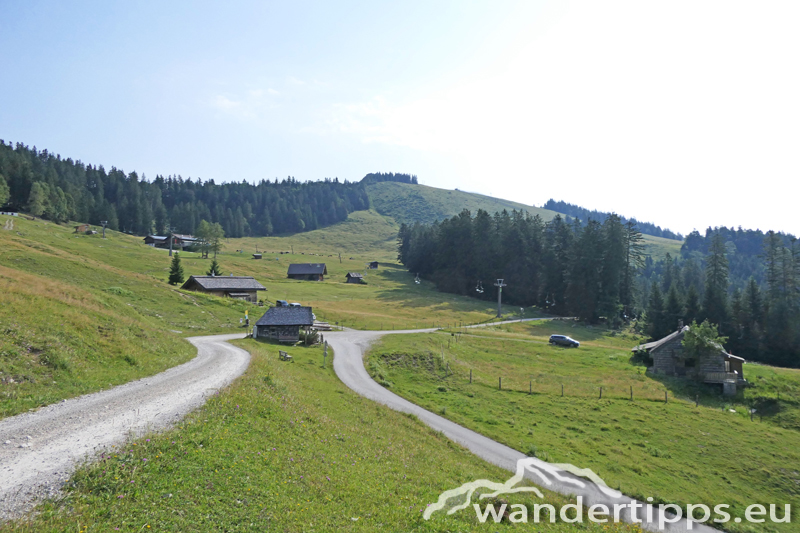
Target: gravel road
{"x": 349, "y": 347}
{"x": 39, "y": 450}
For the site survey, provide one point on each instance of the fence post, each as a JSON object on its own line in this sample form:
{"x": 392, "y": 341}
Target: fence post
{"x": 530, "y": 387}
{"x": 696, "y": 400}
{"x": 562, "y": 390}
{"x": 666, "y": 399}
{"x": 631, "y": 392}
{"x": 470, "y": 375}
{"x": 499, "y": 383}
{"x": 601, "y": 393}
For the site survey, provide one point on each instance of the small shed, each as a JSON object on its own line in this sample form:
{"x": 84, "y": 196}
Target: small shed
{"x": 241, "y": 287}
{"x": 308, "y": 271}
{"x": 670, "y": 359}
{"x": 256, "y": 256}
{"x": 283, "y": 323}
{"x": 354, "y": 277}
{"x": 82, "y": 228}
{"x": 373, "y": 265}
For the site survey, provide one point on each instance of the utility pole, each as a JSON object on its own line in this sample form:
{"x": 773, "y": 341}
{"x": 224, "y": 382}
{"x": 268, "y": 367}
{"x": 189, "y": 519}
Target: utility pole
{"x": 499, "y": 284}
{"x": 169, "y": 233}
{"x": 104, "y": 223}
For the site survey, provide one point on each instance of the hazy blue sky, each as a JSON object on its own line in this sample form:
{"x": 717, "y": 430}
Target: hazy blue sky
{"x": 686, "y": 114}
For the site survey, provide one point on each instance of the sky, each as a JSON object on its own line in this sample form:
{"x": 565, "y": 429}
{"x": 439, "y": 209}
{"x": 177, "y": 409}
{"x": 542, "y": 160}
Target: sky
{"x": 682, "y": 113}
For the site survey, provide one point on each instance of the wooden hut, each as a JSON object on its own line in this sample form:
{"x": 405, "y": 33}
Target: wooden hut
{"x": 354, "y": 277}
{"x": 670, "y": 359}
{"x": 241, "y": 287}
{"x": 82, "y": 228}
{"x": 373, "y": 265}
{"x": 283, "y": 323}
{"x": 308, "y": 271}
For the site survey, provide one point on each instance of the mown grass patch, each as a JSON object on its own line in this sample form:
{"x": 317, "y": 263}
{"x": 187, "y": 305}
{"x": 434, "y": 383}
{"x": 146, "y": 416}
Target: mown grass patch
{"x": 671, "y": 451}
{"x": 286, "y": 448}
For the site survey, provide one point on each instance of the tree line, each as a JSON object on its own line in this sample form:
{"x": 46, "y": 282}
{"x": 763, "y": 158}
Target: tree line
{"x": 570, "y": 268}
{"x": 584, "y": 214}
{"x": 62, "y": 189}
{"x": 745, "y": 281}
{"x": 375, "y": 177}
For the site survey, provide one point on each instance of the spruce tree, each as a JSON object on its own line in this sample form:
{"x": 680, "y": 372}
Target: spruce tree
{"x": 176, "y": 270}
{"x": 214, "y": 269}
{"x": 4, "y": 191}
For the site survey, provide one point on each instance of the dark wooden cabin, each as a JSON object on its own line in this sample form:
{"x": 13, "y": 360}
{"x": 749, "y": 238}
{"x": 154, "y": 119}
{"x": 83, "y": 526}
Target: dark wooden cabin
{"x": 283, "y": 323}
{"x": 354, "y": 277}
{"x": 241, "y": 287}
{"x": 308, "y": 271}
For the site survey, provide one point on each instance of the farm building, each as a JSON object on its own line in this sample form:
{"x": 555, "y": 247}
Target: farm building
{"x": 82, "y": 228}
{"x": 669, "y": 359}
{"x": 283, "y": 323}
{"x": 373, "y": 265}
{"x": 179, "y": 242}
{"x": 241, "y": 287}
{"x": 308, "y": 271}
{"x": 354, "y": 277}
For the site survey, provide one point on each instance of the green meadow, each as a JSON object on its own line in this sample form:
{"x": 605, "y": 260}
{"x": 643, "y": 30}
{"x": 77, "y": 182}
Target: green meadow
{"x": 80, "y": 313}
{"x": 673, "y": 451}
{"x": 287, "y": 447}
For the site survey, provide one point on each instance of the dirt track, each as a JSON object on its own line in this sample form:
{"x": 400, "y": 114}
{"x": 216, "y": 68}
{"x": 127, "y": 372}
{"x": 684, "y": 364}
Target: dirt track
{"x": 39, "y": 450}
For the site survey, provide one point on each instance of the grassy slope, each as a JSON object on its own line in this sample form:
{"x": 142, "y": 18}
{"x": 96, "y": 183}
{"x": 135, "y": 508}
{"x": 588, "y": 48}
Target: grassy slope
{"x": 286, "y": 448}
{"x": 673, "y": 452}
{"x": 84, "y": 312}
{"x": 80, "y": 314}
{"x": 411, "y": 203}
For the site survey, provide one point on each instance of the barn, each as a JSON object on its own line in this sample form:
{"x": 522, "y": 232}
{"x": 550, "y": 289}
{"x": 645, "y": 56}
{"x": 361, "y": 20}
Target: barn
{"x": 670, "y": 359}
{"x": 283, "y": 323}
{"x": 354, "y": 277}
{"x": 308, "y": 271}
{"x": 241, "y": 287}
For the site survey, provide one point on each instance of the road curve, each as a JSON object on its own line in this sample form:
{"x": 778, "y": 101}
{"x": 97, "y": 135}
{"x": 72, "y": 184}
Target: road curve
{"x": 349, "y": 347}
{"x": 39, "y": 450}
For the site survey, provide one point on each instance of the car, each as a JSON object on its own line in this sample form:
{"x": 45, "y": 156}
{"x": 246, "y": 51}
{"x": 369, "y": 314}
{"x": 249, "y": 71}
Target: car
{"x": 563, "y": 340}
{"x": 281, "y": 303}
{"x": 295, "y": 304}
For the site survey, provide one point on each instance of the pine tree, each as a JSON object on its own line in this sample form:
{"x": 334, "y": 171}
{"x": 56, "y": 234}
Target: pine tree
{"x": 715, "y": 300}
{"x": 656, "y": 326}
{"x": 175, "y": 270}
{"x": 214, "y": 268}
{"x": 673, "y": 309}
{"x": 692, "y": 312}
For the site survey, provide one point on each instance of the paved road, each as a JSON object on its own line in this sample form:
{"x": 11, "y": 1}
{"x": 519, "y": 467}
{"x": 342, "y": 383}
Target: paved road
{"x": 39, "y": 450}
{"x": 349, "y": 347}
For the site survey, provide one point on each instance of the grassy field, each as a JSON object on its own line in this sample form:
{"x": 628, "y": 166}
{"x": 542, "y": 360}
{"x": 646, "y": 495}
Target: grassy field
{"x": 286, "y": 448}
{"x": 673, "y": 452}
{"x": 80, "y": 313}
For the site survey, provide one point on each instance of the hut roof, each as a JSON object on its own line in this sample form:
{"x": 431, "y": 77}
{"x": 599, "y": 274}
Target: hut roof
{"x": 303, "y": 269}
{"x": 224, "y": 283}
{"x": 287, "y": 316}
{"x": 354, "y": 275}
{"x": 655, "y": 344}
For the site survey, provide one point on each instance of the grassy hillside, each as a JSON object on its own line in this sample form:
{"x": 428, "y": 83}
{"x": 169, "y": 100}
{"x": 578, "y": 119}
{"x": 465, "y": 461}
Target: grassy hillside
{"x": 411, "y": 203}
{"x": 419, "y": 203}
{"x": 81, "y": 313}
{"x": 286, "y": 448}
{"x": 673, "y": 451}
